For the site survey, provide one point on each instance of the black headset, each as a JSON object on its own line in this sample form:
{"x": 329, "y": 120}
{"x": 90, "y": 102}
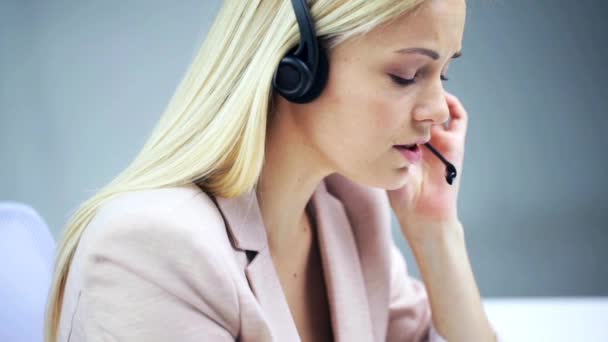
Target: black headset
{"x": 303, "y": 71}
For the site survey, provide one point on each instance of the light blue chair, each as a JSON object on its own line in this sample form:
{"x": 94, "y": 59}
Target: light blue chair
{"x": 26, "y": 257}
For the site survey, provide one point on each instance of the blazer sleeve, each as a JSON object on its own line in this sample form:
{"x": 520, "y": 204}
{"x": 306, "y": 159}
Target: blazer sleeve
{"x": 149, "y": 279}
{"x": 409, "y": 308}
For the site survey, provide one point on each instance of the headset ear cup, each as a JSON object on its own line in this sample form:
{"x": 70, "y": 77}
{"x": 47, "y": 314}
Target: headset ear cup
{"x": 320, "y": 79}
{"x": 293, "y": 78}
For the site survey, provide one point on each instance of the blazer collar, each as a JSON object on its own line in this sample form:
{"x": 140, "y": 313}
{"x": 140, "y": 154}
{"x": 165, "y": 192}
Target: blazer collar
{"x": 343, "y": 276}
{"x": 244, "y": 221}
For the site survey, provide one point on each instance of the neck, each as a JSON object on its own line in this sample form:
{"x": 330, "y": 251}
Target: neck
{"x": 291, "y": 173}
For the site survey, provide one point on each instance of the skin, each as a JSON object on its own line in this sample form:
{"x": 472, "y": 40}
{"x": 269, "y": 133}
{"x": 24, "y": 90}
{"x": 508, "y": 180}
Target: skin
{"x": 352, "y": 129}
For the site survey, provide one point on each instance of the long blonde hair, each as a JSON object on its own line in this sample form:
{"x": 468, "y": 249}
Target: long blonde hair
{"x": 212, "y": 132}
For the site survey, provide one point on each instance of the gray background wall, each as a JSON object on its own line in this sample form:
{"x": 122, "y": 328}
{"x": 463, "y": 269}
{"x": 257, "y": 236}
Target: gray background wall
{"x": 83, "y": 82}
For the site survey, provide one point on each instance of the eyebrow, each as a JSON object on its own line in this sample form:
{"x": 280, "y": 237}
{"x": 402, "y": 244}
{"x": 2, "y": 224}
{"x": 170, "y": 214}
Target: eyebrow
{"x": 427, "y": 52}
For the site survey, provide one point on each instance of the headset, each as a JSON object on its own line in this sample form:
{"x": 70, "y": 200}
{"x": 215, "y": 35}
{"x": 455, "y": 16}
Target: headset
{"x": 303, "y": 72}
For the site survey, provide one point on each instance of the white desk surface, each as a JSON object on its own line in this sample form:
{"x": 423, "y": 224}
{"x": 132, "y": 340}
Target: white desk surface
{"x": 550, "y": 319}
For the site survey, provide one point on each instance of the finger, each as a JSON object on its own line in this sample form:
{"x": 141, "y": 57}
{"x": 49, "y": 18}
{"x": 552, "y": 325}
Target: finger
{"x": 458, "y": 115}
{"x": 438, "y": 130}
{"x": 441, "y": 140}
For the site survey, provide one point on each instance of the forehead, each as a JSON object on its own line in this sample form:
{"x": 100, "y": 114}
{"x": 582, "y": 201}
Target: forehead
{"x": 437, "y": 24}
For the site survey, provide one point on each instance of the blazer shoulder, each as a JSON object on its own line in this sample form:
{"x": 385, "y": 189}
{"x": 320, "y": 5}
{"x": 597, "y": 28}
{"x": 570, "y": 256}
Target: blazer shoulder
{"x": 163, "y": 246}
{"x": 182, "y": 222}
{"x": 177, "y": 211}
{"x": 174, "y": 228}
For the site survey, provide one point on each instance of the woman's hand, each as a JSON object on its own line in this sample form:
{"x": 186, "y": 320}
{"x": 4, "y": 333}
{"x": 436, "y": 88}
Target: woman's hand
{"x": 427, "y": 203}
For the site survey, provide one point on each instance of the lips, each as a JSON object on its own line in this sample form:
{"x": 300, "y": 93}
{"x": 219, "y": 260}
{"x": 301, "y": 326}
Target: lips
{"x": 413, "y": 153}
{"x": 409, "y": 147}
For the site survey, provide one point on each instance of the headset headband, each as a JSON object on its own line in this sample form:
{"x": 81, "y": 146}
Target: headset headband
{"x": 308, "y": 36}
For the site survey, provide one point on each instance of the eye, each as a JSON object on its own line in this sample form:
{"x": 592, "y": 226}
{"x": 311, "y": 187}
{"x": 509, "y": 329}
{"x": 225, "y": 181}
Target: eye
{"x": 403, "y": 82}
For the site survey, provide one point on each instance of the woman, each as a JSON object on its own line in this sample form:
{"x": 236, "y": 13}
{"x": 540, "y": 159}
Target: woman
{"x": 251, "y": 217}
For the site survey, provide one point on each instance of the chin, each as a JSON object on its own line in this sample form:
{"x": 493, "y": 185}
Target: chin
{"x": 395, "y": 178}
{"x": 399, "y": 179}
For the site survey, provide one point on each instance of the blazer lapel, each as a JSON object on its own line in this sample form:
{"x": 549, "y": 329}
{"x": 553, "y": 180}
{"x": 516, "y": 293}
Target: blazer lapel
{"x": 266, "y": 287}
{"x": 246, "y": 228}
{"x": 351, "y": 320}
{"x": 348, "y": 305}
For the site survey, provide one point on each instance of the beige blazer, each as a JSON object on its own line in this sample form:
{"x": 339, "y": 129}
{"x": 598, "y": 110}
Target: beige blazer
{"x": 175, "y": 264}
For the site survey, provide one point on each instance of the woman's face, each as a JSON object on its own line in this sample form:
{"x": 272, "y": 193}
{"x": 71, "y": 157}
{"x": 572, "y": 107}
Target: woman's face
{"x": 367, "y": 107}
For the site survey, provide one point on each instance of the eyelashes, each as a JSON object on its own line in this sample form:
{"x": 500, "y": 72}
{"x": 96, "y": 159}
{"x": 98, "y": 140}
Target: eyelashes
{"x": 404, "y": 82}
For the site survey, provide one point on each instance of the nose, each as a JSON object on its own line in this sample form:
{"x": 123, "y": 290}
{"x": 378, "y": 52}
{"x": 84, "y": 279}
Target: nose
{"x": 432, "y": 105}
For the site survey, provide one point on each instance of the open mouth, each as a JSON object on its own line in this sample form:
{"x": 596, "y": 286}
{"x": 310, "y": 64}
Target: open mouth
{"x": 412, "y": 147}
{"x": 412, "y": 152}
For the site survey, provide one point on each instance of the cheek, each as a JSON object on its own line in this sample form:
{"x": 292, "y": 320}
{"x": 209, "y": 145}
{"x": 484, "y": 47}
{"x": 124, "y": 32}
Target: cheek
{"x": 371, "y": 107}
{"x": 389, "y": 118}
{"x": 375, "y": 119}
{"x": 356, "y": 119}
{"x": 357, "y": 126}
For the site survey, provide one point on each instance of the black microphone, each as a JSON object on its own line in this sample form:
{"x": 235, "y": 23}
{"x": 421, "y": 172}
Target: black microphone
{"x": 450, "y": 170}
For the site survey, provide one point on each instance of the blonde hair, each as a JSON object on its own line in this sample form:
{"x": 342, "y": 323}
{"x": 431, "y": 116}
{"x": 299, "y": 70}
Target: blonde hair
{"x": 212, "y": 132}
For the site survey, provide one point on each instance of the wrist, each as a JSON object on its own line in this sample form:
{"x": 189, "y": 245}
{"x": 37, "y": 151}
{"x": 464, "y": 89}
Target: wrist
{"x": 433, "y": 235}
